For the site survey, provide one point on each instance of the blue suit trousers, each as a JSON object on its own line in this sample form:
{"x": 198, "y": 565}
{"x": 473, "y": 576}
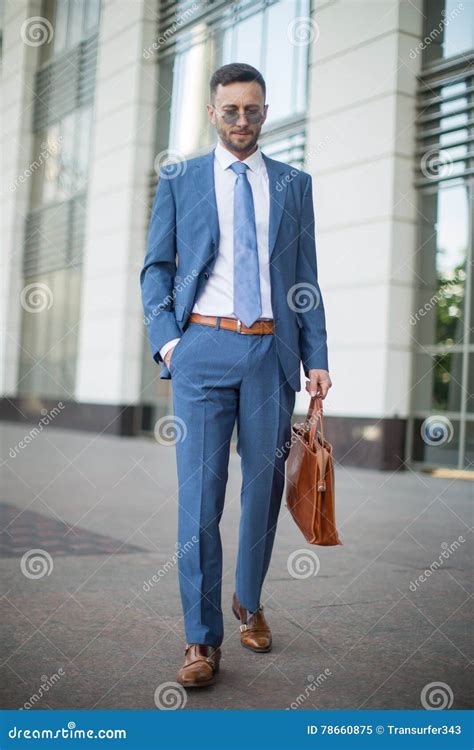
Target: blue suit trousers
{"x": 221, "y": 377}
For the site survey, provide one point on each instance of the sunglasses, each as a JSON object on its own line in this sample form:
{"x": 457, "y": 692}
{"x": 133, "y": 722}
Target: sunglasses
{"x": 253, "y": 116}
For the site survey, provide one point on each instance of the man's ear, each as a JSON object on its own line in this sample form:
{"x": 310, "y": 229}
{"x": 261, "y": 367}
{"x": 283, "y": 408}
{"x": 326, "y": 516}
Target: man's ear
{"x": 211, "y": 113}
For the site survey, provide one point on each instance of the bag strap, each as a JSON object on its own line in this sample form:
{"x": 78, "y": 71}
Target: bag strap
{"x": 315, "y": 415}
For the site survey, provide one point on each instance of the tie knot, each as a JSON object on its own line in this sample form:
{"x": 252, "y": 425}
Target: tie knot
{"x": 239, "y": 167}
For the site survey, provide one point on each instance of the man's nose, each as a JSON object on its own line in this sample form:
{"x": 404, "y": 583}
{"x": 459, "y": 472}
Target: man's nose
{"x": 242, "y": 119}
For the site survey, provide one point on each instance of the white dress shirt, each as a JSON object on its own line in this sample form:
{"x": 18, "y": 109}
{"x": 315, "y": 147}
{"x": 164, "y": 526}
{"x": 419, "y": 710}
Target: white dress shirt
{"x": 217, "y": 297}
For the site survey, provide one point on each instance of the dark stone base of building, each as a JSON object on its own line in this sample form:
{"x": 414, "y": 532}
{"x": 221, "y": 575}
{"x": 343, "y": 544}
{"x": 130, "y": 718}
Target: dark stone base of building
{"x": 367, "y": 442}
{"x": 108, "y": 419}
{"x": 364, "y": 442}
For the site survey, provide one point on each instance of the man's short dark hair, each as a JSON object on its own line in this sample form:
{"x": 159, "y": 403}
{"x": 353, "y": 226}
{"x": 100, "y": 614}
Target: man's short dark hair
{"x": 236, "y": 72}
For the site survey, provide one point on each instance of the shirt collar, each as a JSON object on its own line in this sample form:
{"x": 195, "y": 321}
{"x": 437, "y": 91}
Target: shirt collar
{"x": 225, "y": 158}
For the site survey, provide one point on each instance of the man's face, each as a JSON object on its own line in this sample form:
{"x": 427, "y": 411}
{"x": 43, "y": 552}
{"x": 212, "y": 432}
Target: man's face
{"x": 238, "y": 98}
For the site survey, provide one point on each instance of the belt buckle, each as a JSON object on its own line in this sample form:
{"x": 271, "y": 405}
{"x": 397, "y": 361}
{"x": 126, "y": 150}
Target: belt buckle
{"x": 239, "y": 325}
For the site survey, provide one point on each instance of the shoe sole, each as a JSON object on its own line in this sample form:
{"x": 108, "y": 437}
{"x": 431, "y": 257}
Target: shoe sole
{"x": 249, "y": 648}
{"x": 192, "y": 685}
{"x": 201, "y": 684}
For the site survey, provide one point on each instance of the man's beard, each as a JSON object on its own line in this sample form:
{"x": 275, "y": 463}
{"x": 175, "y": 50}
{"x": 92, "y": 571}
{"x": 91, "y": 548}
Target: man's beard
{"x": 235, "y": 146}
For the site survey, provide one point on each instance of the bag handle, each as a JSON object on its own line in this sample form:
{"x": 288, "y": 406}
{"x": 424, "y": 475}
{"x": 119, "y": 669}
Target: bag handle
{"x": 315, "y": 414}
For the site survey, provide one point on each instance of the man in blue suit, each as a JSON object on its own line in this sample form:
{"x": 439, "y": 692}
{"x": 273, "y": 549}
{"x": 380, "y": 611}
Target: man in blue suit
{"x": 232, "y": 307}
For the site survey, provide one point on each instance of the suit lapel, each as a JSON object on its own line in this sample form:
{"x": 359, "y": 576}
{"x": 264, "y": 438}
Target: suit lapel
{"x": 277, "y": 187}
{"x": 203, "y": 173}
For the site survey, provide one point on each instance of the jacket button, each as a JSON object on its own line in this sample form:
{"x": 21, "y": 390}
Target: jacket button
{"x": 206, "y": 275}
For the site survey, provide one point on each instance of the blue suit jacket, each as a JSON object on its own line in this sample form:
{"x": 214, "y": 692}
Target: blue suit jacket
{"x": 183, "y": 241}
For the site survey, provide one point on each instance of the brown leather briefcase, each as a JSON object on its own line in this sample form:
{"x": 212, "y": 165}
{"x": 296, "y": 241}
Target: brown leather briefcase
{"x": 310, "y": 479}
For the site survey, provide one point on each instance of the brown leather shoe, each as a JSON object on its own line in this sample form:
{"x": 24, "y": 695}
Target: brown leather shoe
{"x": 200, "y": 665}
{"x": 255, "y": 632}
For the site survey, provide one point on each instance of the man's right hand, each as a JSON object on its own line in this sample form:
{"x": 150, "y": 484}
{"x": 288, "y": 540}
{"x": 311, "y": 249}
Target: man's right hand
{"x": 168, "y": 357}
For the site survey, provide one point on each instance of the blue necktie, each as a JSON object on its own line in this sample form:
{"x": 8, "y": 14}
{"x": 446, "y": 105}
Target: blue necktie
{"x": 247, "y": 302}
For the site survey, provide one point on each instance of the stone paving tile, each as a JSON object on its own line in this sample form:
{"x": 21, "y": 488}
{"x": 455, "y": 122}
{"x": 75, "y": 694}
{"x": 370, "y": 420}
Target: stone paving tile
{"x": 117, "y": 636}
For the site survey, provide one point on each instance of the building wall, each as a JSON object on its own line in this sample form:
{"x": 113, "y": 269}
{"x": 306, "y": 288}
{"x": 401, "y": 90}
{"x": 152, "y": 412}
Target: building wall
{"x": 355, "y": 135}
{"x": 361, "y": 132}
{"x": 19, "y": 63}
{"x": 111, "y": 332}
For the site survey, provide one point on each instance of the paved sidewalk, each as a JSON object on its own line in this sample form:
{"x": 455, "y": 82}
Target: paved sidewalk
{"x": 355, "y": 635}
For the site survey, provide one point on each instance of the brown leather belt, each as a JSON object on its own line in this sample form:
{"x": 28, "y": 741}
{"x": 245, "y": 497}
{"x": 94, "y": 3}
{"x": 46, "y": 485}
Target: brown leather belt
{"x": 233, "y": 324}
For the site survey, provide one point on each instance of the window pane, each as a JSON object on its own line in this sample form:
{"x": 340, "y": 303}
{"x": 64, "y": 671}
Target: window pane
{"x": 91, "y": 16}
{"x": 248, "y": 40}
{"x": 469, "y": 451}
{"x": 189, "y": 116}
{"x": 438, "y": 317}
{"x": 83, "y": 136}
{"x": 449, "y": 29}
{"x": 60, "y": 26}
{"x": 76, "y": 12}
{"x": 437, "y": 382}
{"x": 279, "y": 60}
{"x": 436, "y": 441}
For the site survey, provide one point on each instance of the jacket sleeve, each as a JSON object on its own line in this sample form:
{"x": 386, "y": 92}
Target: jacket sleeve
{"x": 159, "y": 270}
{"x": 313, "y": 337}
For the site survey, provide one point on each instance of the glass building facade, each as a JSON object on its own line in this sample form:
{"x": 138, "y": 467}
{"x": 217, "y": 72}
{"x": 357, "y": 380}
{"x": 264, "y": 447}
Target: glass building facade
{"x": 55, "y": 224}
{"x": 190, "y": 40}
{"x": 442, "y": 422}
